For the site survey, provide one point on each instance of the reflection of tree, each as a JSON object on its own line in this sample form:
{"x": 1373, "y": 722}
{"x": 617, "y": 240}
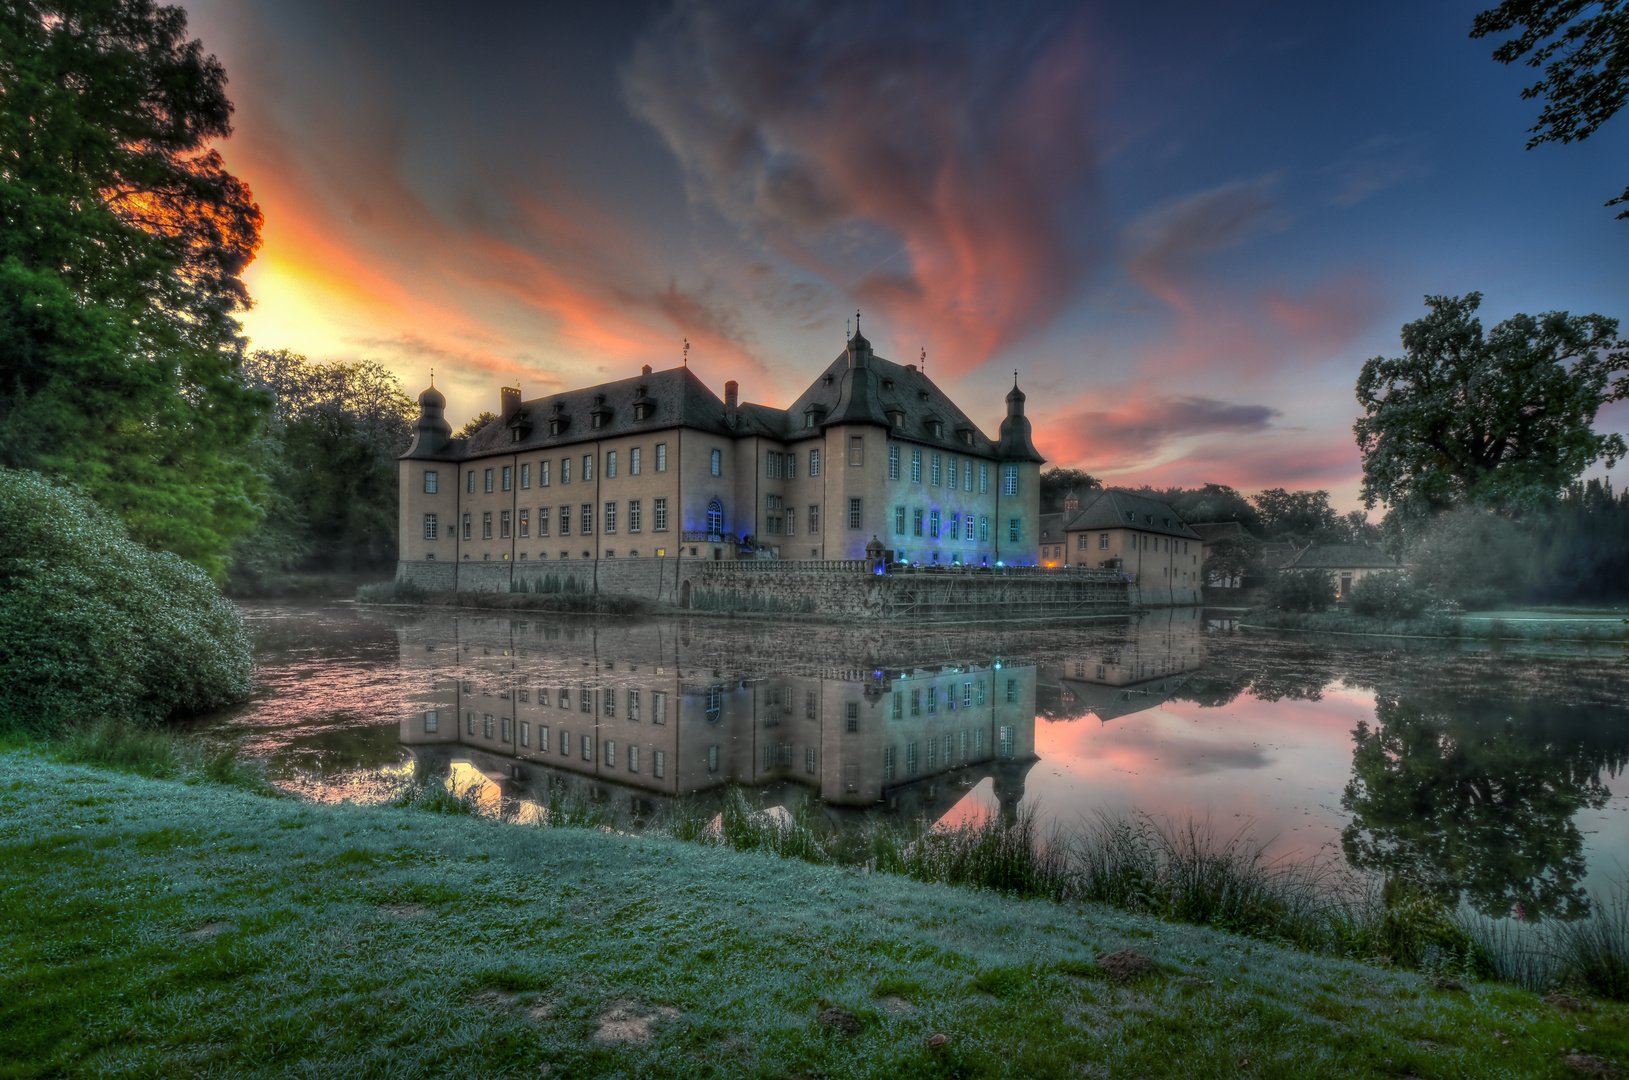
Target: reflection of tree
{"x": 1476, "y": 798}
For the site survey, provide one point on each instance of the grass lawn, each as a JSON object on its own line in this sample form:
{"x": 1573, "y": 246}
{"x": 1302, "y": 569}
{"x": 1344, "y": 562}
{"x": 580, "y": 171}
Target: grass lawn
{"x": 151, "y": 928}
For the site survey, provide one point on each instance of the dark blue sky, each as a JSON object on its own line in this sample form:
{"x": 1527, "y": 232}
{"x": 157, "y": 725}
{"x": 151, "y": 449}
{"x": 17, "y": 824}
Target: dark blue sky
{"x": 1186, "y": 225}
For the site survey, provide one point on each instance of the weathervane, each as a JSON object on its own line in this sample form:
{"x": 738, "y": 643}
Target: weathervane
{"x": 924, "y": 359}
{"x": 686, "y": 352}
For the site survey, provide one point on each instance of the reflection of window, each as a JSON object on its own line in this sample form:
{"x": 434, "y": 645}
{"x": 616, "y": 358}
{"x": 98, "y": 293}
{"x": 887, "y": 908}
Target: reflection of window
{"x": 712, "y": 758}
{"x": 658, "y": 706}
{"x": 633, "y": 759}
{"x": 910, "y": 759}
{"x": 543, "y": 742}
{"x": 610, "y": 752}
{"x": 853, "y": 716}
{"x": 715, "y": 703}
{"x": 715, "y": 518}
{"x": 633, "y": 705}
{"x": 1012, "y": 690}
{"x": 887, "y": 763}
{"x": 588, "y": 748}
{"x": 585, "y": 700}
{"x": 432, "y": 720}
{"x": 658, "y": 764}
{"x": 1006, "y": 734}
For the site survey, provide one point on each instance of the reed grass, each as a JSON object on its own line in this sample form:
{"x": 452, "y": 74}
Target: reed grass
{"x": 157, "y": 753}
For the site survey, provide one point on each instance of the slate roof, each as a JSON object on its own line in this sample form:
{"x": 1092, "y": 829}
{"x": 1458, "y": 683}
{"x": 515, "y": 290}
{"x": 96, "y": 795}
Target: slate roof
{"x": 1218, "y": 530}
{"x": 1052, "y": 528}
{"x": 864, "y": 388}
{"x": 1121, "y": 510}
{"x": 1342, "y": 557}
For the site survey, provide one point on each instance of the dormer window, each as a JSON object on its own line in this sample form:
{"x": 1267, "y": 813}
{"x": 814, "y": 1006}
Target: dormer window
{"x": 887, "y": 384}
{"x": 923, "y": 394}
{"x": 599, "y": 414}
{"x": 1131, "y": 517}
{"x": 558, "y": 424}
{"x": 826, "y": 379}
{"x": 896, "y": 417}
{"x": 644, "y": 410}
{"x": 596, "y": 419}
{"x": 517, "y": 435}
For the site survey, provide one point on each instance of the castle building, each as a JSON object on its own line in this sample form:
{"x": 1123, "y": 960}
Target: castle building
{"x": 657, "y": 466}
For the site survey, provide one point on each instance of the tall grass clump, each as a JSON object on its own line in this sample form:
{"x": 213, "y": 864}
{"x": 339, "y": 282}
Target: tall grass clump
{"x": 1011, "y": 857}
{"x": 1588, "y": 956}
{"x": 435, "y": 795}
{"x": 93, "y": 624}
{"x": 156, "y": 753}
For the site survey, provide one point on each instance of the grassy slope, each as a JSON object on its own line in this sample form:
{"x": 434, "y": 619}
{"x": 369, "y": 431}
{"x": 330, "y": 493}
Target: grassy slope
{"x": 384, "y": 942}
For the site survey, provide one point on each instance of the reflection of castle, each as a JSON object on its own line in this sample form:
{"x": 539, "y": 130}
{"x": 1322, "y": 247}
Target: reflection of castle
{"x": 1139, "y": 672}
{"x": 527, "y": 703}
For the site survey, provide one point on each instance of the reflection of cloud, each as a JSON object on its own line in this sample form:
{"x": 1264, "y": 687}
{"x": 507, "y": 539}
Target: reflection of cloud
{"x": 939, "y": 168}
{"x": 1380, "y": 163}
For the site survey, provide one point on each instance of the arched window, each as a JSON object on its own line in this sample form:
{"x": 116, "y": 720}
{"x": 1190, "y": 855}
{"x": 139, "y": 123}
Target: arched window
{"x": 715, "y": 703}
{"x": 715, "y": 518}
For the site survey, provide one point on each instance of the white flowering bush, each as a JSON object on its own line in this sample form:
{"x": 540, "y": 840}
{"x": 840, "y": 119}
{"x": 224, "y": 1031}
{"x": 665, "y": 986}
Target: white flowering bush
{"x": 93, "y": 624}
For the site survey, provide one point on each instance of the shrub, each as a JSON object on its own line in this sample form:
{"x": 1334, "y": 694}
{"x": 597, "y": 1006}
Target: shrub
{"x": 93, "y": 624}
{"x": 1302, "y": 590}
{"x": 1474, "y": 557}
{"x": 1388, "y": 595}
{"x": 395, "y": 591}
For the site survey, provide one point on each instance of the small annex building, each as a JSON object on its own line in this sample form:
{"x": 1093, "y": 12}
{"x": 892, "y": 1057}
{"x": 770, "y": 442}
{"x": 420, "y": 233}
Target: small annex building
{"x": 1141, "y": 537}
{"x": 1347, "y": 564}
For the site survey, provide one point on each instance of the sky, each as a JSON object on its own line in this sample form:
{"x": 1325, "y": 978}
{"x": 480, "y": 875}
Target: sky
{"x": 1186, "y": 226}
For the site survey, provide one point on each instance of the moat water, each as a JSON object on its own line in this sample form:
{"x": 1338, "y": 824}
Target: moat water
{"x": 1495, "y": 770}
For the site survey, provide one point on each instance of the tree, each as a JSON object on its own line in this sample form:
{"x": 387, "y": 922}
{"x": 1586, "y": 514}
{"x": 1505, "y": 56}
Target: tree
{"x": 1231, "y": 560}
{"x": 329, "y": 452}
{"x": 1586, "y": 83}
{"x": 474, "y": 424}
{"x": 1058, "y": 482}
{"x": 1472, "y": 556}
{"x": 1299, "y": 516}
{"x": 122, "y": 242}
{"x": 1502, "y": 420}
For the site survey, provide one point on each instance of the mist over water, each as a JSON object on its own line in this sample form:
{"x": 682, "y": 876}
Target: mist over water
{"x": 1490, "y": 775}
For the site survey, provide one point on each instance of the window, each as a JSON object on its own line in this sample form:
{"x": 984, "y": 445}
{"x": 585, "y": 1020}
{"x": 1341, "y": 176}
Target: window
{"x": 893, "y": 461}
{"x": 717, "y": 462}
{"x": 610, "y": 753}
{"x": 588, "y": 748}
{"x": 610, "y": 464}
{"x": 856, "y": 449}
{"x": 565, "y": 520}
{"x": 1012, "y": 530}
{"x": 659, "y": 514}
{"x": 1012, "y": 691}
{"x": 588, "y": 467}
{"x": 715, "y": 518}
{"x": 916, "y": 466}
{"x": 791, "y": 520}
{"x": 633, "y": 705}
{"x": 851, "y": 713}
{"x": 633, "y": 759}
{"x": 506, "y": 729}
{"x": 466, "y": 525}
{"x": 634, "y": 515}
{"x": 585, "y": 520}
{"x": 633, "y": 461}
{"x": 487, "y": 480}
{"x": 543, "y": 742}
{"x": 661, "y": 457}
{"x": 542, "y": 474}
{"x": 472, "y": 481}
{"x": 984, "y": 477}
{"x": 814, "y": 518}
{"x": 967, "y": 477}
{"x": 899, "y": 521}
{"x": 542, "y": 521}
{"x": 525, "y": 477}
{"x": 934, "y": 471}
{"x": 658, "y": 706}
{"x": 503, "y": 524}
{"x": 854, "y": 515}
{"x": 507, "y": 477}
{"x": 950, "y": 472}
{"x": 565, "y": 470}
{"x": 809, "y": 760}
{"x": 814, "y": 462}
{"x": 887, "y": 762}
{"x": 610, "y": 516}
{"x": 772, "y": 464}
{"x": 774, "y": 517}
{"x": 658, "y": 764}
{"x": 432, "y": 720}
{"x": 486, "y": 525}
{"x": 1009, "y": 480}
{"x": 933, "y": 524}
{"x": 1102, "y": 541}
{"x": 430, "y": 482}
{"x": 910, "y": 759}
{"x": 916, "y": 522}
{"x": 956, "y": 526}
{"x": 525, "y": 523}
{"x": 430, "y": 529}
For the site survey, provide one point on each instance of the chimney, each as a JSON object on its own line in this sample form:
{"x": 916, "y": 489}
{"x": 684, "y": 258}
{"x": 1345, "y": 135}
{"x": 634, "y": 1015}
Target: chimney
{"x": 731, "y": 389}
{"x": 510, "y": 401}
{"x": 645, "y": 370}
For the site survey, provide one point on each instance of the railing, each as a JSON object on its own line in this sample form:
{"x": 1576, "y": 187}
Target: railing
{"x": 782, "y": 566}
{"x": 867, "y": 566}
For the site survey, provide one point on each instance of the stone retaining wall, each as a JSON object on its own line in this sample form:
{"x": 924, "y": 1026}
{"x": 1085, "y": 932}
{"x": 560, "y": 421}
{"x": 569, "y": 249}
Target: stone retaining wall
{"x": 705, "y": 586}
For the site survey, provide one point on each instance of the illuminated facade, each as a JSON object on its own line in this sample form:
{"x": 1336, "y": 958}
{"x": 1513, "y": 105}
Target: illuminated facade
{"x": 657, "y": 466}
